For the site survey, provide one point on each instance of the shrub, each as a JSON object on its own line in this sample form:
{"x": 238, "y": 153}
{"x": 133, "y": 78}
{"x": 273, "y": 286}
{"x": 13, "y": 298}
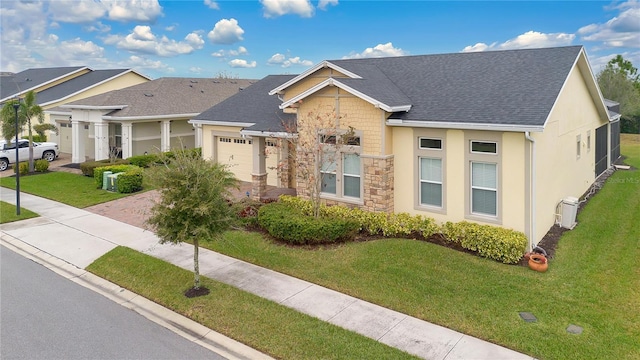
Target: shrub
{"x": 99, "y": 171}
{"x": 144, "y": 161}
{"x": 131, "y": 180}
{"x": 88, "y": 167}
{"x": 246, "y": 210}
{"x": 22, "y": 167}
{"x": 492, "y": 242}
{"x": 41, "y": 165}
{"x": 37, "y": 138}
{"x": 287, "y": 223}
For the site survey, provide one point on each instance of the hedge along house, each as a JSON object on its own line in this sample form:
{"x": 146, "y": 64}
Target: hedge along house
{"x": 60, "y": 85}
{"x": 497, "y": 138}
{"x": 248, "y": 132}
{"x": 144, "y": 118}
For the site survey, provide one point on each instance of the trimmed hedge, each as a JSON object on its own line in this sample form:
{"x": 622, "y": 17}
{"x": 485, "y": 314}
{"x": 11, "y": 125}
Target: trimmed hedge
{"x": 37, "y": 138}
{"x": 144, "y": 161}
{"x": 88, "y": 167}
{"x": 129, "y": 181}
{"x": 23, "y": 168}
{"x": 289, "y": 224}
{"x": 504, "y": 245}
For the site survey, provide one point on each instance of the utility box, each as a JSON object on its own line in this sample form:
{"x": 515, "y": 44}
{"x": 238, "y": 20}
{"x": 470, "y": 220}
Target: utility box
{"x": 112, "y": 182}
{"x": 105, "y": 179}
{"x": 569, "y": 211}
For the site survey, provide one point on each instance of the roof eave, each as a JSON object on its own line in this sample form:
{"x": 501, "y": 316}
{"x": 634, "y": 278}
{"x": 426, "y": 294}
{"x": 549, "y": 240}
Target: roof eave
{"x": 94, "y": 107}
{"x": 272, "y": 134}
{"x": 44, "y": 83}
{"x": 311, "y": 70}
{"x": 464, "y": 126}
{"x": 151, "y": 117}
{"x": 220, "y": 123}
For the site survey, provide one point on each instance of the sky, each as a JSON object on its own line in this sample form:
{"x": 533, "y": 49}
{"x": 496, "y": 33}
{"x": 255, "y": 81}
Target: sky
{"x": 254, "y": 38}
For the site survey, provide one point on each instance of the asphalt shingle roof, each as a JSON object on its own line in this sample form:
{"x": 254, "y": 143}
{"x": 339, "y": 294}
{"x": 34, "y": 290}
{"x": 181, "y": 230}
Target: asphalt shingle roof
{"x": 167, "y": 96}
{"x": 77, "y": 84}
{"x": 27, "y": 79}
{"x": 512, "y": 87}
{"x": 253, "y": 104}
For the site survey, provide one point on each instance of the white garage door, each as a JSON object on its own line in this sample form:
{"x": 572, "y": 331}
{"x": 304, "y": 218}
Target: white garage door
{"x": 238, "y": 154}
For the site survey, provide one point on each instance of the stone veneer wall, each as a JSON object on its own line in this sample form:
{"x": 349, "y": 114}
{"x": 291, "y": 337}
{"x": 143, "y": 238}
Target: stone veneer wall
{"x": 258, "y": 186}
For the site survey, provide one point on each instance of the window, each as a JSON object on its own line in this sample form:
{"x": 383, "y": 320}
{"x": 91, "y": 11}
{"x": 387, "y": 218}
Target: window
{"x": 431, "y": 182}
{"x": 484, "y": 188}
{"x": 433, "y": 144}
{"x": 225, "y": 140}
{"x": 328, "y": 173}
{"x": 484, "y": 147}
{"x": 589, "y": 141}
{"x": 578, "y": 141}
{"x": 239, "y": 141}
{"x": 351, "y": 175}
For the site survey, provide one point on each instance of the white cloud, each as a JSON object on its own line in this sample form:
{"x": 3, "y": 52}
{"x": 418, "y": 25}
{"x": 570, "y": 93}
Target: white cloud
{"x": 275, "y": 8}
{"x": 133, "y": 10}
{"x": 241, "y": 63}
{"x": 98, "y": 27}
{"x": 195, "y": 69}
{"x": 139, "y": 63}
{"x": 143, "y": 40}
{"x": 380, "y": 50}
{"x": 620, "y": 31}
{"x": 77, "y": 11}
{"x": 226, "y": 31}
{"x": 528, "y": 40}
{"x": 283, "y": 61}
{"x": 212, "y": 4}
{"x": 226, "y": 53}
{"x": 323, "y": 4}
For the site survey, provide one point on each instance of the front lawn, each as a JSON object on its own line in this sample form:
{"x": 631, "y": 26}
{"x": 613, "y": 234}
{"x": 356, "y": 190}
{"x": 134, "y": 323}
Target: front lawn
{"x": 8, "y": 213}
{"x": 71, "y": 189}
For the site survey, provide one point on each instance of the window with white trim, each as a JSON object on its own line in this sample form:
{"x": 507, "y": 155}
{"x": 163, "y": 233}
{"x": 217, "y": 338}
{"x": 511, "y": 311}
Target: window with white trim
{"x": 578, "y": 141}
{"x": 484, "y": 147}
{"x": 484, "y": 188}
{"x": 340, "y": 166}
{"x": 430, "y": 181}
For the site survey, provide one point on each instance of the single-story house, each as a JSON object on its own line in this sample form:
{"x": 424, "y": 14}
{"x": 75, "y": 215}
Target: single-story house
{"x": 499, "y": 137}
{"x": 143, "y": 118}
{"x": 59, "y": 85}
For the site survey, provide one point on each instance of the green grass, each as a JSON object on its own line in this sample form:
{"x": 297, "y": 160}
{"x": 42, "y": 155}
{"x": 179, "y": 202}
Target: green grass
{"x": 71, "y": 189}
{"x": 262, "y": 324}
{"x": 8, "y": 213}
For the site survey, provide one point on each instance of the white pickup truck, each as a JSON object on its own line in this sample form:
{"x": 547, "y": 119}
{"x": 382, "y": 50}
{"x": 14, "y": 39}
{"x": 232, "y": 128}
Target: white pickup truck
{"x": 44, "y": 150}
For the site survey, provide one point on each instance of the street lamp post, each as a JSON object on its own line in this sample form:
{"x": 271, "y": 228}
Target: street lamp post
{"x": 16, "y": 106}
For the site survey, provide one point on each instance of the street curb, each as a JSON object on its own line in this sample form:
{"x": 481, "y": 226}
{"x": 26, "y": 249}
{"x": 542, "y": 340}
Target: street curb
{"x": 179, "y": 324}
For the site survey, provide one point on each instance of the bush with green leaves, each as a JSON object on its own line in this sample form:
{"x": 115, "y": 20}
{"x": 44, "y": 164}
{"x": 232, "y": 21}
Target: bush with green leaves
{"x": 246, "y": 210}
{"x": 130, "y": 181}
{"x": 37, "y": 138}
{"x": 41, "y": 165}
{"x": 133, "y": 181}
{"x": 144, "y": 161}
{"x": 504, "y": 245}
{"x": 289, "y": 224}
{"x": 88, "y": 167}
{"x": 22, "y": 167}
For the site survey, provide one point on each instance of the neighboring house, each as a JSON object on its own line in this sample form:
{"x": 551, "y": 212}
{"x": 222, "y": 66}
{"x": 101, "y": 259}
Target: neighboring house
{"x": 59, "y": 85}
{"x": 144, "y": 118}
{"x": 497, "y": 137}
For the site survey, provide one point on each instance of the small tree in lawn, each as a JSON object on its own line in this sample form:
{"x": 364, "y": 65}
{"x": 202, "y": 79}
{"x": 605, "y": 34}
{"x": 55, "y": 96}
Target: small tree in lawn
{"x": 193, "y": 203}
{"x": 318, "y": 147}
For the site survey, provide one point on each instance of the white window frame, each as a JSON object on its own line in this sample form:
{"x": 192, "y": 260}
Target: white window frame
{"x": 421, "y": 181}
{"x": 578, "y": 146}
{"x": 483, "y": 152}
{"x": 482, "y": 188}
{"x": 339, "y": 152}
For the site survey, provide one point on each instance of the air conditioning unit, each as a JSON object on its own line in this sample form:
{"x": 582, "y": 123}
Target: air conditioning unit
{"x": 112, "y": 182}
{"x": 569, "y": 211}
{"x": 105, "y": 179}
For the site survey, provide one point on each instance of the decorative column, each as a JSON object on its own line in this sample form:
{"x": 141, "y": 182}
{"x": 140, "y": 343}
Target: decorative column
{"x": 127, "y": 140}
{"x": 77, "y": 142}
{"x": 259, "y": 173}
{"x": 102, "y": 141}
{"x": 165, "y": 136}
{"x": 198, "y": 134}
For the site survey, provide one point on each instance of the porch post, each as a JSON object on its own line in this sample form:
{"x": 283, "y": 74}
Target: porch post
{"x": 198, "y": 134}
{"x": 165, "y": 136}
{"x": 102, "y": 141}
{"x": 259, "y": 173}
{"x": 127, "y": 140}
{"x": 77, "y": 142}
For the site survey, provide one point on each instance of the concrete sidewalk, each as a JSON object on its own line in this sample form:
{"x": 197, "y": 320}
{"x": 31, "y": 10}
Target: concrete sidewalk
{"x": 79, "y": 237}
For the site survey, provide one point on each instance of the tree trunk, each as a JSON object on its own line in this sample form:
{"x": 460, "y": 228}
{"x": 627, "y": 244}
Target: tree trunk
{"x": 196, "y": 265}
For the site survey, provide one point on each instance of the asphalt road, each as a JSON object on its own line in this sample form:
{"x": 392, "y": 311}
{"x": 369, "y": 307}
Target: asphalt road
{"x": 45, "y": 316}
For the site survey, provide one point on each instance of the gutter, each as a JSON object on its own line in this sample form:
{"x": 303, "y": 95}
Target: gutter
{"x": 532, "y": 185}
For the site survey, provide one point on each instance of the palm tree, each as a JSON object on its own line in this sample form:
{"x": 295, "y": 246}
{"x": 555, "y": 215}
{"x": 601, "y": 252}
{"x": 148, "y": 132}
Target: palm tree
{"x": 28, "y": 110}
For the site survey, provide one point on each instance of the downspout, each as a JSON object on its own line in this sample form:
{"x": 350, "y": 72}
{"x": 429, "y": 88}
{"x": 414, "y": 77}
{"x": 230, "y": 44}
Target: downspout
{"x": 532, "y": 183}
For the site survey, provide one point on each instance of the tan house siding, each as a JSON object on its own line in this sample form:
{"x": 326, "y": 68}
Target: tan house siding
{"x": 560, "y": 173}
{"x": 310, "y": 81}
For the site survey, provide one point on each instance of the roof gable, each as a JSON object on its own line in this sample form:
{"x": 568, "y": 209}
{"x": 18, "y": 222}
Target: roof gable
{"x": 30, "y": 79}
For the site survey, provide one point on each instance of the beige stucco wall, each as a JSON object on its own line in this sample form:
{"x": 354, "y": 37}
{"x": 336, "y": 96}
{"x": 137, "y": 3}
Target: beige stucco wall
{"x": 511, "y": 181}
{"x": 560, "y": 173}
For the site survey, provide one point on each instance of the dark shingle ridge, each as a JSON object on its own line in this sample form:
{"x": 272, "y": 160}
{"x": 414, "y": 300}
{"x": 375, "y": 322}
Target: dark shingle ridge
{"x": 506, "y": 87}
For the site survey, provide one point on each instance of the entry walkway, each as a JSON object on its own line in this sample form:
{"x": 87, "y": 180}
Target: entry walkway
{"x": 79, "y": 237}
